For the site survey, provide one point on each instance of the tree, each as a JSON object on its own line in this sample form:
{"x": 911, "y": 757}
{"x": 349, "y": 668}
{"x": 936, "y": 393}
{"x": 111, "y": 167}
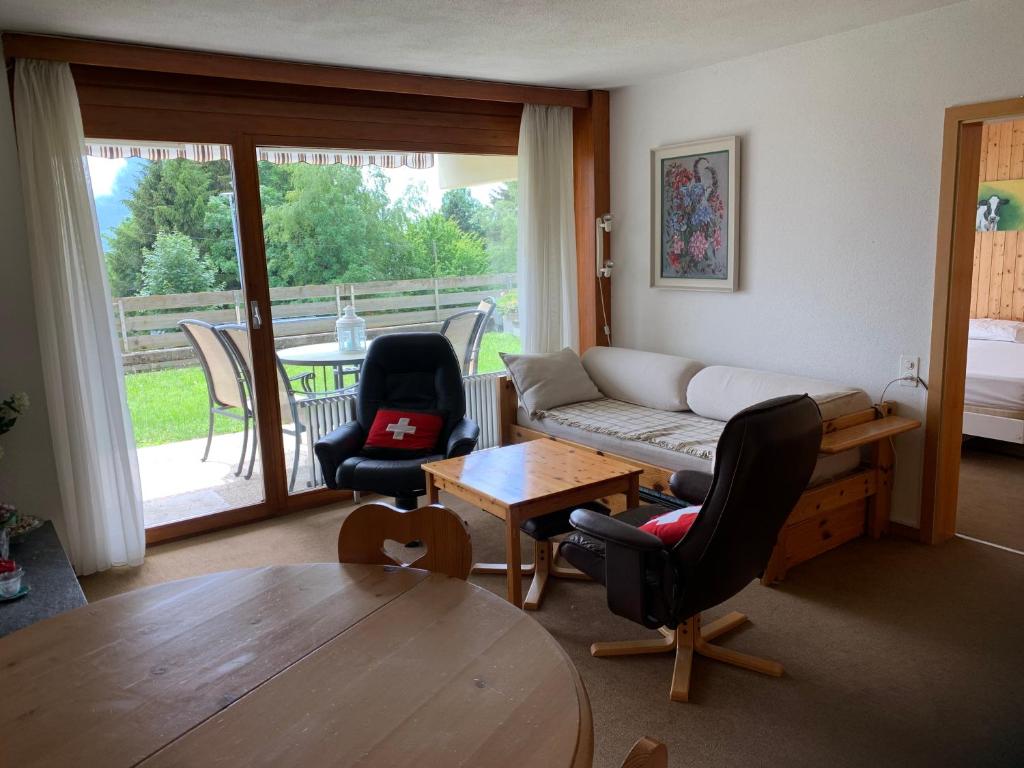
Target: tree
{"x": 464, "y": 209}
{"x": 438, "y": 248}
{"x": 500, "y": 225}
{"x": 124, "y": 259}
{"x": 174, "y": 265}
{"x": 221, "y": 252}
{"x": 328, "y": 225}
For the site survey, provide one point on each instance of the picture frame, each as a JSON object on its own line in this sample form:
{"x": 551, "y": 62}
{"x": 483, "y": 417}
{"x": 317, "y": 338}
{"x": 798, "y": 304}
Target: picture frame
{"x": 695, "y": 215}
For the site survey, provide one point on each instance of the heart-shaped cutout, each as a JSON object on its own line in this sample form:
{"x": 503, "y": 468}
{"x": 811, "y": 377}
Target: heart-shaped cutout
{"x": 404, "y": 554}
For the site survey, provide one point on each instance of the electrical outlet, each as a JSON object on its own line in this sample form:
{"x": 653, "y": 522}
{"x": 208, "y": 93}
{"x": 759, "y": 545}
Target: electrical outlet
{"x": 910, "y": 369}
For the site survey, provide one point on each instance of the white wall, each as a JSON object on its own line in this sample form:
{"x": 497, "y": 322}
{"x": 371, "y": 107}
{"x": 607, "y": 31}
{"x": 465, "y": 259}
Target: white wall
{"x": 26, "y": 470}
{"x": 841, "y": 150}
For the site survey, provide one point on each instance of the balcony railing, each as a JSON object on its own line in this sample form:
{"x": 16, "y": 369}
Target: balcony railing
{"x": 148, "y": 325}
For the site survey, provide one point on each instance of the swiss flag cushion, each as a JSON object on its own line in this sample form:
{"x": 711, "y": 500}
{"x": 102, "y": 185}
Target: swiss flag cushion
{"x": 672, "y": 526}
{"x": 404, "y": 431}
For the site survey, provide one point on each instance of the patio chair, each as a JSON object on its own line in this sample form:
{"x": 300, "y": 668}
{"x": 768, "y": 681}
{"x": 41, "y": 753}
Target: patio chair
{"x": 225, "y": 381}
{"x": 293, "y": 402}
{"x": 465, "y": 330}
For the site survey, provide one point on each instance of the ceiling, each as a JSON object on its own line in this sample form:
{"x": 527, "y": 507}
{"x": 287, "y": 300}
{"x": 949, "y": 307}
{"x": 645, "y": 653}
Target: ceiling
{"x": 572, "y": 43}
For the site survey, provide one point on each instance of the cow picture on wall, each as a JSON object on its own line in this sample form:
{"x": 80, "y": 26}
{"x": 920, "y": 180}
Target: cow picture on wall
{"x": 1000, "y": 206}
{"x": 695, "y": 193}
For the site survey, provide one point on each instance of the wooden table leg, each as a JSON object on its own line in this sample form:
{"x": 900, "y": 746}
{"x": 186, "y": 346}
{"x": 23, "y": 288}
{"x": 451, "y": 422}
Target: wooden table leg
{"x": 432, "y": 493}
{"x": 633, "y": 494}
{"x": 514, "y": 576}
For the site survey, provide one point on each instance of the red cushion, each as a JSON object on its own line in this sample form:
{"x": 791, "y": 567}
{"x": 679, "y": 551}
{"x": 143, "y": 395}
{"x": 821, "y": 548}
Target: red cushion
{"x": 404, "y": 430}
{"x": 672, "y": 526}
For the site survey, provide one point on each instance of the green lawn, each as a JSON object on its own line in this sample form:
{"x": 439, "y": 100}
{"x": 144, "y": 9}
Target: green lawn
{"x": 171, "y": 405}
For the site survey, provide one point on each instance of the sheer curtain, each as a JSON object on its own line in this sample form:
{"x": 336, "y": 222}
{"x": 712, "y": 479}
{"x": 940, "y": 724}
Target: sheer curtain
{"x": 97, "y": 470}
{"x": 548, "y": 300}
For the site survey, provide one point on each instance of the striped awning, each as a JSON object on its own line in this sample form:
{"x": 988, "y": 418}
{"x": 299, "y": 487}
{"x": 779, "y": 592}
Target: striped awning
{"x": 204, "y": 153}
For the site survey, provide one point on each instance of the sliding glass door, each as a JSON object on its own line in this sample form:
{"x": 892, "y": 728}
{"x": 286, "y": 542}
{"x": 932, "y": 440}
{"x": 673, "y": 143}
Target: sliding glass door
{"x": 363, "y": 243}
{"x": 244, "y": 274}
{"x": 168, "y": 224}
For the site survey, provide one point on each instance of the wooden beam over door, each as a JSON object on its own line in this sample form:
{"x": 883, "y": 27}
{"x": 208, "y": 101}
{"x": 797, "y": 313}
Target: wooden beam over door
{"x": 183, "y": 62}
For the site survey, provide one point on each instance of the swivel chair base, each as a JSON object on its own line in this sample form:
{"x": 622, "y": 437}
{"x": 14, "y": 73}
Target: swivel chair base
{"x": 686, "y": 640}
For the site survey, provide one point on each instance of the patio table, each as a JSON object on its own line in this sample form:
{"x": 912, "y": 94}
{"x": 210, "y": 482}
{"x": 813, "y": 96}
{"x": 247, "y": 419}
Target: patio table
{"x": 326, "y": 355}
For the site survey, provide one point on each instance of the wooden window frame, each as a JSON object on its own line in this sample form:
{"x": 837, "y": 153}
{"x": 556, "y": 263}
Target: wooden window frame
{"x": 141, "y": 92}
{"x": 954, "y": 264}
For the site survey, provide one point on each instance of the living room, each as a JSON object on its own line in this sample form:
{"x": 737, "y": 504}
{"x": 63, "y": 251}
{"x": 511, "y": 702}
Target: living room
{"x": 828, "y": 141}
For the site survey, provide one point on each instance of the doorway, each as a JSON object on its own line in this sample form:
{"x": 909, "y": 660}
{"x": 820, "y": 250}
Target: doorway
{"x": 974, "y": 467}
{"x": 990, "y": 503}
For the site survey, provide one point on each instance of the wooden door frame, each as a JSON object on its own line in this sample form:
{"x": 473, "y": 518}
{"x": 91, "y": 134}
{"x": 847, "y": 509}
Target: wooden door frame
{"x": 954, "y": 264}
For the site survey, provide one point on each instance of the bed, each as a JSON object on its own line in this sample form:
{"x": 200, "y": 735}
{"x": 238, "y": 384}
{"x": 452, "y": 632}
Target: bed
{"x": 994, "y": 391}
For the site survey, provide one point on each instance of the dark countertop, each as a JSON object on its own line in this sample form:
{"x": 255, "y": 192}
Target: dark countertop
{"x": 54, "y": 587}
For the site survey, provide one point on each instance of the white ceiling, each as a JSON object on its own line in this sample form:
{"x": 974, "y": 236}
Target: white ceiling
{"x": 573, "y": 43}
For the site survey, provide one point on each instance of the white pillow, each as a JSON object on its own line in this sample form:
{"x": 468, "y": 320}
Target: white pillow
{"x": 548, "y": 380}
{"x": 650, "y": 379}
{"x": 721, "y": 391}
{"x": 991, "y": 329}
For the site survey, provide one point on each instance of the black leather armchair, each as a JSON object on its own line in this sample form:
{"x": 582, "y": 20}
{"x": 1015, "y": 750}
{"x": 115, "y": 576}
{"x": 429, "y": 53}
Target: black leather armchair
{"x": 415, "y": 371}
{"x": 765, "y": 458}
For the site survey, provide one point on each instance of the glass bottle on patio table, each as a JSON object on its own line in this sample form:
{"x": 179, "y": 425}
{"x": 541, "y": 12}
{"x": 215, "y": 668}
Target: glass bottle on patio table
{"x": 351, "y": 331}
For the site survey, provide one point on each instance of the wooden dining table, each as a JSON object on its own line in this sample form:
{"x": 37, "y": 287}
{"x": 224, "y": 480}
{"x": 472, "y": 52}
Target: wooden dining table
{"x": 297, "y": 665}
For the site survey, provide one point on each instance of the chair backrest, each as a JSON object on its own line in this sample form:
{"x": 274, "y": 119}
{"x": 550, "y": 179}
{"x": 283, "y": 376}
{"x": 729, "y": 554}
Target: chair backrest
{"x": 416, "y": 371}
{"x": 224, "y": 380}
{"x": 465, "y": 330}
{"x": 237, "y": 338}
{"x": 647, "y": 753}
{"x": 445, "y": 546}
{"x": 764, "y": 460}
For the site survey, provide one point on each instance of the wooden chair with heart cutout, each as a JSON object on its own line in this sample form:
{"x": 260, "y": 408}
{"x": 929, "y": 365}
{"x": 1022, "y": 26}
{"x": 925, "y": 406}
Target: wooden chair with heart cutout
{"x": 380, "y": 534}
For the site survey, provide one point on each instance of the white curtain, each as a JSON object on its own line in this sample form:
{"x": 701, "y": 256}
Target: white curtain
{"x": 548, "y": 299}
{"x": 97, "y": 471}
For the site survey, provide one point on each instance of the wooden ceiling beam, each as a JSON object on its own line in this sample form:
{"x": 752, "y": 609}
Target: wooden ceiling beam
{"x": 184, "y": 62}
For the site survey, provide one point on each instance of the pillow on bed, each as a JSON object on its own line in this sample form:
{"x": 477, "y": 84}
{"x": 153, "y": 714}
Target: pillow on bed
{"x": 548, "y": 380}
{"x": 991, "y": 329}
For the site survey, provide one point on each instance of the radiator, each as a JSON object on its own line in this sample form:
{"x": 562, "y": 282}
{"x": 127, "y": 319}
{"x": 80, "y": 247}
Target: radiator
{"x": 323, "y": 414}
{"x": 482, "y": 406}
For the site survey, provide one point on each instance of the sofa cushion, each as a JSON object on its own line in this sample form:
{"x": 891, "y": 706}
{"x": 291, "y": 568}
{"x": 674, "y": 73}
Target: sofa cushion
{"x": 721, "y": 391}
{"x": 548, "y": 380}
{"x": 650, "y": 379}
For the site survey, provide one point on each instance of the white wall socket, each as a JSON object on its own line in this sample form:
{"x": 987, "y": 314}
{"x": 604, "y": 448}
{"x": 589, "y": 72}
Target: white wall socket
{"x": 910, "y": 369}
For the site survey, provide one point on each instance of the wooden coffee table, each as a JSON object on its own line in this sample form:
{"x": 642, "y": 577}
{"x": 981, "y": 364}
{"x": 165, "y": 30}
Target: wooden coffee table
{"x": 517, "y": 482}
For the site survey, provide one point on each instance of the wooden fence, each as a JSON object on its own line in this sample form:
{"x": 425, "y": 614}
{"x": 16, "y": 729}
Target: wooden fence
{"x": 148, "y": 325}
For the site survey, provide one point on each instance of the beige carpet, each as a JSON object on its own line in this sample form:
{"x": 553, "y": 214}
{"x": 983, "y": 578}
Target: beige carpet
{"x": 895, "y": 653}
{"x": 991, "y": 501}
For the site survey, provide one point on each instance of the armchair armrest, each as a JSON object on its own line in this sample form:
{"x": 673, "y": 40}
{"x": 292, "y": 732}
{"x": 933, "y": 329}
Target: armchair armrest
{"x": 638, "y": 573}
{"x": 614, "y": 532}
{"x": 690, "y": 485}
{"x": 463, "y": 439}
{"x": 333, "y": 449}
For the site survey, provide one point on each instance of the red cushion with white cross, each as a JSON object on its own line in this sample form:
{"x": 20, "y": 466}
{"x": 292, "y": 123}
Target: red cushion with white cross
{"x": 672, "y": 526}
{"x": 404, "y": 430}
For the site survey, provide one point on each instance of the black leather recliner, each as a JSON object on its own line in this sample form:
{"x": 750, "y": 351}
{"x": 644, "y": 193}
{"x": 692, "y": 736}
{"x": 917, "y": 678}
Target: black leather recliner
{"x": 764, "y": 460}
{"x": 414, "y": 371}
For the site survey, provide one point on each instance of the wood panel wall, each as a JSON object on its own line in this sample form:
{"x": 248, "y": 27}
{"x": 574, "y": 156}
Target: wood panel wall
{"x": 997, "y": 283}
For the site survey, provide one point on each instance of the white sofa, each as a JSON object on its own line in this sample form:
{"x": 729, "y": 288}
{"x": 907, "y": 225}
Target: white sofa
{"x": 665, "y": 413}
{"x": 670, "y": 411}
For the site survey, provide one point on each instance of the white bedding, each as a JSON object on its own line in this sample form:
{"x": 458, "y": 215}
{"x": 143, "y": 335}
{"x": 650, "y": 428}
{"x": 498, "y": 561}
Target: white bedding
{"x": 995, "y": 374}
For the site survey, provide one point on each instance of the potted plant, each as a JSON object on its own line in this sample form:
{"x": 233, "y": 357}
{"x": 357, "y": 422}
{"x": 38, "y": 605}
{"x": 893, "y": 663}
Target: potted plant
{"x": 508, "y": 307}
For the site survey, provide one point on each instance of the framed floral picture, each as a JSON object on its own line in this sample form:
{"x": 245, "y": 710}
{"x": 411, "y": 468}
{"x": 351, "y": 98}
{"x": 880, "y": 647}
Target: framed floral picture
{"x": 695, "y": 190}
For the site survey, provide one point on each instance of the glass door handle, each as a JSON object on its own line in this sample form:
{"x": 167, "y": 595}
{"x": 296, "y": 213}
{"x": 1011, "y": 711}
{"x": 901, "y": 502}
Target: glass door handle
{"x": 255, "y": 319}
